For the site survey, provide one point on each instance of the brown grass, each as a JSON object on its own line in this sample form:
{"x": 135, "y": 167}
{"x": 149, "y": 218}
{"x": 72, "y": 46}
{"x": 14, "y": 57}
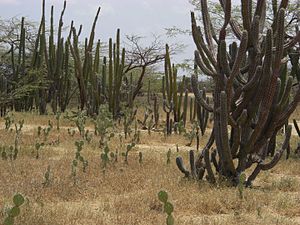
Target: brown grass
{"x": 127, "y": 194}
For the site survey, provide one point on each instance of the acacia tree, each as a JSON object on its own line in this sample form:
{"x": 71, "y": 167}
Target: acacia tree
{"x": 141, "y": 58}
{"x": 251, "y": 98}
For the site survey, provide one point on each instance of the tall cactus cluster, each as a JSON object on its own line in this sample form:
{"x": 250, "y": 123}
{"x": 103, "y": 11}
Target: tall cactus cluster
{"x": 172, "y": 102}
{"x": 53, "y": 61}
{"x": 252, "y": 97}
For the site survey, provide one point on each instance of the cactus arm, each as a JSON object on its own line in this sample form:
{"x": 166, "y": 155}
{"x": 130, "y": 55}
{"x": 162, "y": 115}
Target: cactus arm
{"x": 196, "y": 32}
{"x": 235, "y": 70}
{"x": 202, "y": 66}
{"x": 198, "y": 94}
{"x": 223, "y": 60}
{"x": 267, "y": 166}
{"x": 207, "y": 25}
{"x": 246, "y": 15}
{"x": 227, "y": 157}
{"x": 210, "y": 173}
{"x": 181, "y": 167}
{"x": 254, "y": 80}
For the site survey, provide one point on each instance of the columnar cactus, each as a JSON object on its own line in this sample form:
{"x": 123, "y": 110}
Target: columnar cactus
{"x": 251, "y": 95}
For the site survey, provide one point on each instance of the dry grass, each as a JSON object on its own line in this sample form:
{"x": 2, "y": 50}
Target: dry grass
{"x": 127, "y": 194}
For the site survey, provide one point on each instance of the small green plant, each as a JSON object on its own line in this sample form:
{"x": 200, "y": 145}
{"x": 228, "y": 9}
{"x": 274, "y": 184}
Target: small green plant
{"x": 3, "y": 152}
{"x": 50, "y": 124}
{"x": 192, "y": 133}
{"x": 13, "y": 212}
{"x": 71, "y": 132}
{"x": 128, "y": 120}
{"x": 143, "y": 123}
{"x": 179, "y": 127}
{"x": 39, "y": 131}
{"x": 78, "y": 158}
{"x": 168, "y": 207}
{"x": 169, "y": 157}
{"x": 88, "y": 136}
{"x": 241, "y": 185}
{"x": 104, "y": 125}
{"x": 129, "y": 147}
{"x": 79, "y": 118}
{"x": 57, "y": 117}
{"x": 38, "y": 147}
{"x": 46, "y": 132}
{"x": 47, "y": 181}
{"x": 9, "y": 120}
{"x": 105, "y": 157}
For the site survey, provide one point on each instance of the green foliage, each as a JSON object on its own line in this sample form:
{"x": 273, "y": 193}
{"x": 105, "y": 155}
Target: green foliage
{"x": 78, "y": 158}
{"x": 57, "y": 117}
{"x": 71, "y": 132}
{"x": 168, "y": 207}
{"x": 88, "y": 136}
{"x": 169, "y": 156}
{"x": 191, "y": 134}
{"x": 241, "y": 185}
{"x": 105, "y": 157}
{"x": 129, "y": 147}
{"x": 13, "y": 212}
{"x": 79, "y": 118}
{"x": 9, "y": 120}
{"x": 38, "y": 147}
{"x": 47, "y": 177}
{"x": 104, "y": 124}
{"x": 179, "y": 127}
{"x": 128, "y": 119}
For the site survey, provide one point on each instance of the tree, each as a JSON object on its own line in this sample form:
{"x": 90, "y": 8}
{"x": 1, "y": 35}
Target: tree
{"x": 140, "y": 58}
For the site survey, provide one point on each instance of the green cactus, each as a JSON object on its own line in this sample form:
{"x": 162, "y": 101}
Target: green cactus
{"x": 15, "y": 211}
{"x": 252, "y": 86}
{"x": 168, "y": 207}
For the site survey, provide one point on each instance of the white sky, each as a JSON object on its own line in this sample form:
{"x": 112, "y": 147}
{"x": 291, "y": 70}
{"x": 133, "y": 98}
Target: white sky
{"x": 140, "y": 17}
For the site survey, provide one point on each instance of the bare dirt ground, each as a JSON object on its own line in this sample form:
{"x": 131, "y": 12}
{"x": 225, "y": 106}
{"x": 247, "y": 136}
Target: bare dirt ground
{"x": 127, "y": 194}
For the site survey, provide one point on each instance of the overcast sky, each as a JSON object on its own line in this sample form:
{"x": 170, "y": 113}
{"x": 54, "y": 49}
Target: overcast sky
{"x": 140, "y": 17}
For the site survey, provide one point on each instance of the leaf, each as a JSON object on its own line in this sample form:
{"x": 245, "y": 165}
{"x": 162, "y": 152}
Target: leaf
{"x": 170, "y": 220}
{"x": 168, "y": 208}
{"x": 9, "y": 221}
{"x": 18, "y": 199}
{"x": 15, "y": 211}
{"x": 163, "y": 196}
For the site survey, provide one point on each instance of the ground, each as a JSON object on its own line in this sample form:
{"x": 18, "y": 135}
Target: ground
{"x": 127, "y": 194}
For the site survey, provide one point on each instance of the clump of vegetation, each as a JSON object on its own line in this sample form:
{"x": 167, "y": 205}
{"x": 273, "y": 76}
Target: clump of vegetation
{"x": 47, "y": 177}
{"x": 38, "y": 147}
{"x": 169, "y": 156}
{"x": 79, "y": 118}
{"x": 252, "y": 96}
{"x": 57, "y": 117}
{"x": 9, "y": 120}
{"x": 128, "y": 120}
{"x": 104, "y": 125}
{"x": 78, "y": 158}
{"x": 129, "y": 147}
{"x": 13, "y": 212}
{"x": 241, "y": 185}
{"x": 168, "y": 207}
{"x": 71, "y": 132}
